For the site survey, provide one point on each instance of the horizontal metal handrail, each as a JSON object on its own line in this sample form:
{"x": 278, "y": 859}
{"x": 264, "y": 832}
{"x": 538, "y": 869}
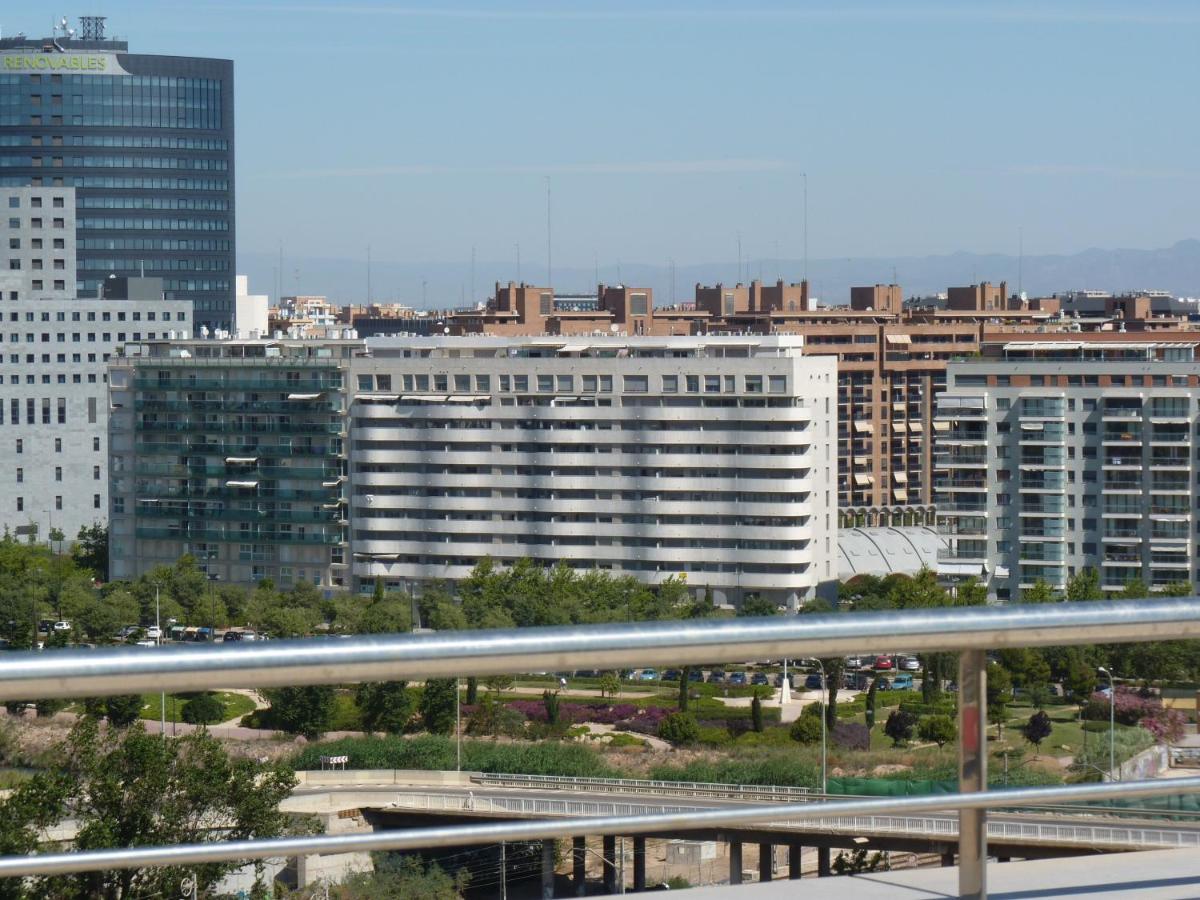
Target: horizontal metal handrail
{"x": 80, "y": 673}
{"x": 646, "y": 786}
{"x": 460, "y": 835}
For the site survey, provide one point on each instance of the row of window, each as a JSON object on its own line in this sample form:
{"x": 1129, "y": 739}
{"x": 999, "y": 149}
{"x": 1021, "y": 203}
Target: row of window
{"x": 117, "y": 182}
{"x": 58, "y": 504}
{"x": 149, "y": 224}
{"x": 588, "y": 384}
{"x": 131, "y": 141}
{"x": 35, "y": 202}
{"x": 203, "y": 245}
{"x": 58, "y": 445}
{"x": 203, "y": 204}
{"x": 78, "y": 337}
{"x": 14, "y": 222}
{"x": 90, "y": 316}
{"x": 58, "y": 471}
{"x": 49, "y": 415}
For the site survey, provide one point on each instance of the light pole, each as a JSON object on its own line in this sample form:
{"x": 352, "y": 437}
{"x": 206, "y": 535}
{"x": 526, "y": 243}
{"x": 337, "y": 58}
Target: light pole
{"x": 1112, "y": 723}
{"x": 824, "y": 746}
{"x": 158, "y": 640}
{"x": 457, "y": 728}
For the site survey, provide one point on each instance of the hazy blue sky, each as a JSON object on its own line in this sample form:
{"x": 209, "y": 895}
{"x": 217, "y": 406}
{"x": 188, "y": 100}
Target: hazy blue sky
{"x": 669, "y": 127}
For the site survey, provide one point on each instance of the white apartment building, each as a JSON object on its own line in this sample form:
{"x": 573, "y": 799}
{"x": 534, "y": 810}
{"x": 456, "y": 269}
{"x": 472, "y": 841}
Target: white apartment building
{"x": 707, "y": 457}
{"x": 1068, "y": 455}
{"x": 54, "y": 353}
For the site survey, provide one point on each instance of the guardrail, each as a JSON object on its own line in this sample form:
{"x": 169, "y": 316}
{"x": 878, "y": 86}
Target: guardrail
{"x": 772, "y": 793}
{"x": 1063, "y": 834}
{"x": 972, "y": 631}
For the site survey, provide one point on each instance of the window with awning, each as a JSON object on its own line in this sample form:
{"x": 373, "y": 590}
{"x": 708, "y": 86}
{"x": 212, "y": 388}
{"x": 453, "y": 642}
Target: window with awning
{"x": 863, "y": 427}
{"x": 900, "y": 476}
{"x": 897, "y": 338}
{"x": 941, "y": 426}
{"x": 863, "y": 480}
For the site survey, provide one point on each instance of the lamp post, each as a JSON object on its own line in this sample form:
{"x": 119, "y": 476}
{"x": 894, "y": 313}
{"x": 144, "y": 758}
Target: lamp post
{"x": 824, "y": 709}
{"x": 162, "y": 702}
{"x": 1112, "y": 723}
{"x": 457, "y": 729}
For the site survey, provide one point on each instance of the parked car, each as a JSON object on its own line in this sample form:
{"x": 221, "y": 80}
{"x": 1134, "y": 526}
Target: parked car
{"x": 737, "y": 679}
{"x": 147, "y": 643}
{"x": 910, "y": 664}
{"x": 855, "y": 662}
{"x": 885, "y": 684}
{"x": 587, "y": 673}
{"x": 902, "y": 682}
{"x": 695, "y": 675}
{"x": 62, "y": 626}
{"x": 759, "y": 678}
{"x": 779, "y": 680}
{"x": 153, "y": 632}
{"x": 814, "y": 682}
{"x": 671, "y": 675}
{"x": 883, "y": 662}
{"x": 648, "y": 675}
{"x": 716, "y": 676}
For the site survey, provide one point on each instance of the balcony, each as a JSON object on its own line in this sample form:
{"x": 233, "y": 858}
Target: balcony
{"x": 961, "y": 484}
{"x": 1042, "y": 505}
{"x": 1123, "y": 481}
{"x": 1050, "y": 457}
{"x": 1121, "y": 409}
{"x": 1128, "y": 436}
{"x": 1170, "y": 434}
{"x": 1168, "y": 457}
{"x": 1042, "y": 408}
{"x": 1122, "y": 460}
{"x": 1042, "y": 481}
{"x": 964, "y": 527}
{"x": 1042, "y": 433}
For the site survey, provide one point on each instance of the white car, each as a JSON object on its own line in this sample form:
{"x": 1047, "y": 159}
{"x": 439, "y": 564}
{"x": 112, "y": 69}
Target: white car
{"x": 154, "y": 632}
{"x": 62, "y": 626}
{"x": 147, "y": 643}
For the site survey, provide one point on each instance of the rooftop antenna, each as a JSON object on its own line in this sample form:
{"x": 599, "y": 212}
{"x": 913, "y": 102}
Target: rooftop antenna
{"x": 1020, "y": 257}
{"x": 672, "y": 262}
{"x": 549, "y": 245}
{"x": 518, "y": 262}
{"x": 739, "y": 240}
{"x": 368, "y": 274}
{"x": 804, "y": 175}
{"x": 472, "y": 273}
{"x": 92, "y": 28}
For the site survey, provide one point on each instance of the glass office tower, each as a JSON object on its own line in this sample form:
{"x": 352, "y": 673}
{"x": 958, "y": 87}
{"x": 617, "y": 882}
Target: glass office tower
{"x": 147, "y": 143}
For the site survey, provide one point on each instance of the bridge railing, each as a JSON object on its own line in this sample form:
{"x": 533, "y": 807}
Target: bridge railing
{"x": 969, "y": 631}
{"x": 764, "y": 793}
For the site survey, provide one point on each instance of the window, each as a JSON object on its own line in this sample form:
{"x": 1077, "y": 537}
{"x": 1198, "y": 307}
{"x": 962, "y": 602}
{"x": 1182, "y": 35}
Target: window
{"x": 545, "y": 304}
{"x": 712, "y": 384}
{"x": 58, "y": 473}
{"x": 693, "y": 384}
{"x": 589, "y": 384}
{"x": 777, "y": 384}
{"x": 545, "y": 383}
{"x": 565, "y": 383}
{"x": 91, "y": 410}
{"x": 58, "y": 501}
{"x": 462, "y": 383}
{"x": 20, "y": 442}
{"x": 638, "y": 305}
{"x": 483, "y": 382}
{"x": 637, "y": 384}
{"x": 606, "y": 384}
{"x": 95, "y": 473}
{"x": 95, "y": 501}
{"x": 670, "y": 384}
{"x": 20, "y": 475}
{"x": 20, "y": 504}
{"x": 754, "y": 384}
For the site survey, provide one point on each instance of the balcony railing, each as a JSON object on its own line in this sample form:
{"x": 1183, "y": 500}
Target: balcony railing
{"x": 973, "y": 631}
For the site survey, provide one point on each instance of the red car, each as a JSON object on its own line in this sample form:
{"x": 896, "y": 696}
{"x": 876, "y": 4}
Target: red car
{"x": 883, "y": 662}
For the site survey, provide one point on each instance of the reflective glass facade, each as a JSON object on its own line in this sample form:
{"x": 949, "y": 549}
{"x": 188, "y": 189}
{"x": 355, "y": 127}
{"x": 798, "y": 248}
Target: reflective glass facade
{"x": 147, "y": 142}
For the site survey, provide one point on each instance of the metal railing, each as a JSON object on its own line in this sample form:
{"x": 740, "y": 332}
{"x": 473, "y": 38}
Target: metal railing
{"x": 772, "y": 793}
{"x": 78, "y": 673}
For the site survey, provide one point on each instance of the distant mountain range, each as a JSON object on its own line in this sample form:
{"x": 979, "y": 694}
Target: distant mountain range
{"x": 448, "y": 285}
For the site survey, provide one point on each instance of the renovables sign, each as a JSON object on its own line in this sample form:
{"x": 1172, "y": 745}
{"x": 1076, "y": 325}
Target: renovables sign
{"x": 74, "y": 63}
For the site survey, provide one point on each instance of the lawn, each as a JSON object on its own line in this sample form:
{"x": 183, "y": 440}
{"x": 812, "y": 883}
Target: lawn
{"x": 236, "y": 705}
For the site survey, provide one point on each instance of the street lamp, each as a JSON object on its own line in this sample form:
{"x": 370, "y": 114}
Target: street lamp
{"x": 158, "y": 640}
{"x": 824, "y": 746}
{"x": 457, "y": 728}
{"x": 1112, "y": 722}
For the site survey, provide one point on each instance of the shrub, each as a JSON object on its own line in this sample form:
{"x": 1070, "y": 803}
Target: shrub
{"x": 939, "y": 730}
{"x": 851, "y": 736}
{"x": 806, "y": 729}
{"x": 899, "y": 727}
{"x": 679, "y": 728}
{"x": 1037, "y": 729}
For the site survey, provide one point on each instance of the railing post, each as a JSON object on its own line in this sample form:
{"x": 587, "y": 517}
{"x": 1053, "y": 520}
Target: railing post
{"x": 735, "y": 862}
{"x": 579, "y": 860}
{"x": 972, "y": 773}
{"x": 639, "y": 862}
{"x": 795, "y": 859}
{"x": 766, "y": 859}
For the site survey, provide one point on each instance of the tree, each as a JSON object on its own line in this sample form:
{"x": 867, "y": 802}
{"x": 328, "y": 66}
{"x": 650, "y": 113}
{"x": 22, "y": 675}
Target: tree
{"x": 204, "y": 709}
{"x": 684, "y": 688}
{"x": 181, "y": 787}
{"x": 756, "y": 714}
{"x": 123, "y": 710}
{"x": 998, "y": 715}
{"x": 437, "y": 705}
{"x": 610, "y": 684}
{"x": 1037, "y": 729}
{"x": 679, "y": 728}
{"x": 56, "y": 536}
{"x": 385, "y": 706}
{"x": 1041, "y": 592}
{"x": 91, "y": 550}
{"x": 1084, "y": 585}
{"x": 306, "y": 710}
{"x": 498, "y": 684}
{"x": 872, "y": 697}
{"x": 806, "y": 730}
{"x": 939, "y": 730}
{"x": 399, "y": 875}
{"x": 899, "y": 727}
{"x": 550, "y": 702}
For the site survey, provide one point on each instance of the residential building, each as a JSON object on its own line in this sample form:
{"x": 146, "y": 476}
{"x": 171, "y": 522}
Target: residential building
{"x": 1056, "y": 455}
{"x": 234, "y": 452}
{"x": 712, "y": 458}
{"x": 146, "y": 141}
{"x": 54, "y": 352}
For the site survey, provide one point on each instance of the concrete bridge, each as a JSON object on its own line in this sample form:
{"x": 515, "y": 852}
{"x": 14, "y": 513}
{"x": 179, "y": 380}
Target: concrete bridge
{"x": 366, "y": 800}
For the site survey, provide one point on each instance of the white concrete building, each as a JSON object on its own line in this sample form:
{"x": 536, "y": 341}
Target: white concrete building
{"x": 249, "y": 311}
{"x": 54, "y": 354}
{"x": 1072, "y": 455}
{"x": 710, "y": 457}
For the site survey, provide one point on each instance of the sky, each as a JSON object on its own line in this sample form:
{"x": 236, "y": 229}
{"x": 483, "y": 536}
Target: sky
{"x": 670, "y": 130}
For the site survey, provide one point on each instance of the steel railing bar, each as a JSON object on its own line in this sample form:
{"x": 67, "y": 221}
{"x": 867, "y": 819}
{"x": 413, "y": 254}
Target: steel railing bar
{"x": 79, "y": 673}
{"x": 461, "y": 835}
